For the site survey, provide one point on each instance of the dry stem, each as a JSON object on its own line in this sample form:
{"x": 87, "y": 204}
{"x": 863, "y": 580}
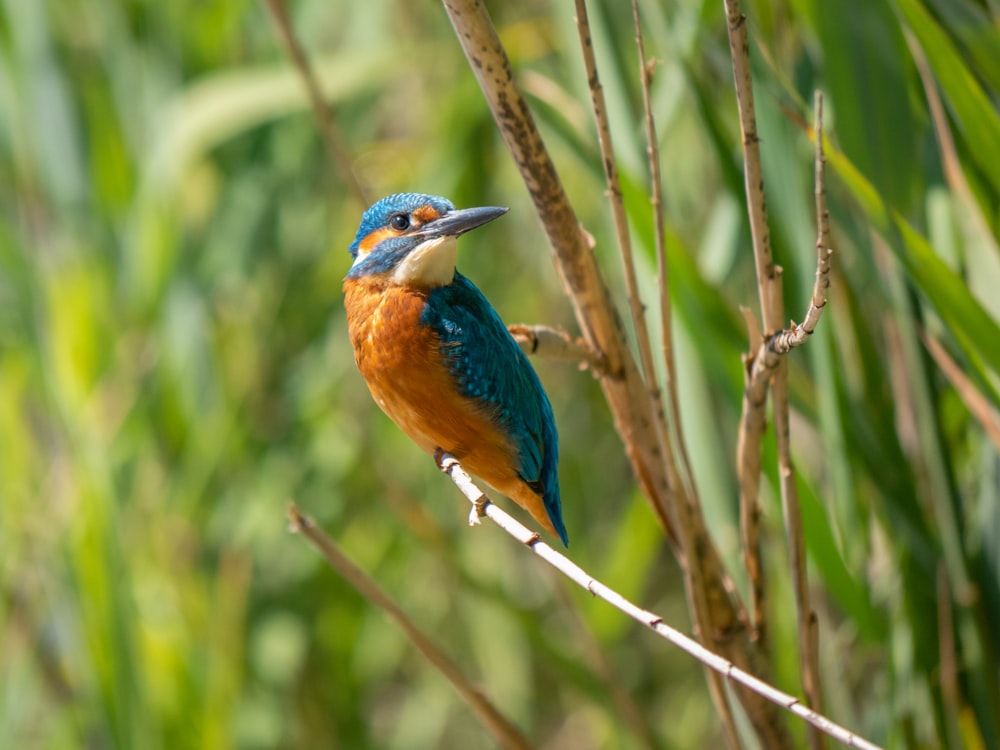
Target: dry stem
{"x": 600, "y": 324}
{"x": 762, "y": 366}
{"x": 748, "y": 448}
{"x": 978, "y": 405}
{"x": 335, "y": 146}
{"x": 503, "y": 732}
{"x": 662, "y": 266}
{"x": 551, "y": 343}
{"x": 687, "y": 523}
{"x": 772, "y": 312}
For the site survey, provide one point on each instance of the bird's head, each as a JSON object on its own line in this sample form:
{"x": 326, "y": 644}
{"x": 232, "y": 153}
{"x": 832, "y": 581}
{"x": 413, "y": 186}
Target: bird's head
{"x": 410, "y": 238}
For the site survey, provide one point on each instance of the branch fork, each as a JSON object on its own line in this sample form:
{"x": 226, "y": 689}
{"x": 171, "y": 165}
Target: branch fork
{"x": 767, "y": 367}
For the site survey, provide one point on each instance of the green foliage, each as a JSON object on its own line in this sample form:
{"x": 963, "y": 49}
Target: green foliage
{"x": 174, "y": 369}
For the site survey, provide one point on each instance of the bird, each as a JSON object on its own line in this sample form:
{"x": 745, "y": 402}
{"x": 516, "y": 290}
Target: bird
{"x": 438, "y": 359}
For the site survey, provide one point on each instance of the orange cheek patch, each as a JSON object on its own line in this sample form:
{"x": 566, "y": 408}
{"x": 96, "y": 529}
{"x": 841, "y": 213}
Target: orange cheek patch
{"x": 370, "y": 242}
{"x": 425, "y": 214}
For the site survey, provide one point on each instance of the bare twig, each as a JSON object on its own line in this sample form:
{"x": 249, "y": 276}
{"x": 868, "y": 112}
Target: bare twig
{"x": 953, "y": 172}
{"x": 974, "y": 400}
{"x": 687, "y": 524}
{"x": 503, "y": 732}
{"x": 681, "y": 522}
{"x": 949, "y": 667}
{"x": 551, "y": 343}
{"x": 721, "y": 587}
{"x": 761, "y": 368}
{"x": 662, "y": 266}
{"x": 624, "y": 241}
{"x": 335, "y": 147}
{"x": 772, "y": 318}
{"x": 483, "y": 506}
{"x": 601, "y": 327}
{"x": 686, "y": 519}
{"x": 808, "y": 627}
{"x": 772, "y": 312}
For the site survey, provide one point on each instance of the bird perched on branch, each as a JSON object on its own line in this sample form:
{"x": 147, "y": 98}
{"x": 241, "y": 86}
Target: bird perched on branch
{"x": 438, "y": 359}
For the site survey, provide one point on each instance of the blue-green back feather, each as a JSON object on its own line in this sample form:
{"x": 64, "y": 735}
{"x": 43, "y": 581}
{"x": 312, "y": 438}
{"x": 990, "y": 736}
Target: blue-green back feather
{"x": 489, "y": 366}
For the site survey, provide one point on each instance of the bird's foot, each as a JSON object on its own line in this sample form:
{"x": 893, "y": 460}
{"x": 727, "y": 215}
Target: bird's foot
{"x": 478, "y": 510}
{"x": 450, "y": 466}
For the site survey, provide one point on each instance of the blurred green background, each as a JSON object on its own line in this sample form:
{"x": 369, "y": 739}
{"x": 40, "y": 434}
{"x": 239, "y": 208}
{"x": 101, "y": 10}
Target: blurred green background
{"x": 174, "y": 370}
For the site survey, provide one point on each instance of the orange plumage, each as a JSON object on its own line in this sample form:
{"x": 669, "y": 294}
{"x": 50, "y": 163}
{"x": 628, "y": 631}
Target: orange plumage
{"x": 400, "y": 360}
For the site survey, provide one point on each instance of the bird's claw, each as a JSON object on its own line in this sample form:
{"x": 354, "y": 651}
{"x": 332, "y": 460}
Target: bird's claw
{"x": 478, "y": 510}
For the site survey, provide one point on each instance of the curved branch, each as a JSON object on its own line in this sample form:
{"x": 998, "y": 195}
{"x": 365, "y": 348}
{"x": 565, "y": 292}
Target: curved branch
{"x": 483, "y": 506}
{"x": 504, "y": 732}
{"x": 335, "y": 147}
{"x": 551, "y": 343}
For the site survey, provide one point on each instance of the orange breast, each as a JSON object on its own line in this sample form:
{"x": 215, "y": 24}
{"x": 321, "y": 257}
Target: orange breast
{"x": 400, "y": 360}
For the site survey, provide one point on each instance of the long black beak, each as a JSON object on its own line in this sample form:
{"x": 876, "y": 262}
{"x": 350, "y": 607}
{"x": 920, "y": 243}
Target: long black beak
{"x": 460, "y": 221}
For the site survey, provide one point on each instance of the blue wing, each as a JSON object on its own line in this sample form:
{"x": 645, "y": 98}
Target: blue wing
{"x": 489, "y": 366}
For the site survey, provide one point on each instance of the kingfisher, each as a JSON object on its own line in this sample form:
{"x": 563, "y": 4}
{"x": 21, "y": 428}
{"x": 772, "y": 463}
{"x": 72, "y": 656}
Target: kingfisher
{"x": 438, "y": 359}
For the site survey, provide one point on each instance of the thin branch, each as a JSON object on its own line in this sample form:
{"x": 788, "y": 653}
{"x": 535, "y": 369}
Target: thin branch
{"x": 602, "y": 329}
{"x": 766, "y": 365}
{"x": 687, "y": 520}
{"x": 772, "y": 312}
{"x": 808, "y": 626}
{"x": 336, "y": 149}
{"x": 662, "y": 266}
{"x": 973, "y": 218}
{"x": 722, "y": 588}
{"x": 747, "y": 463}
{"x": 761, "y": 366}
{"x": 503, "y": 732}
{"x": 687, "y": 525}
{"x": 682, "y": 516}
{"x": 974, "y": 400}
{"x": 551, "y": 343}
{"x": 483, "y": 506}
{"x": 624, "y": 242}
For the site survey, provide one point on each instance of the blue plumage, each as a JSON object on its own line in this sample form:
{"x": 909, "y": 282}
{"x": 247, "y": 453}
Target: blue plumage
{"x": 490, "y": 367}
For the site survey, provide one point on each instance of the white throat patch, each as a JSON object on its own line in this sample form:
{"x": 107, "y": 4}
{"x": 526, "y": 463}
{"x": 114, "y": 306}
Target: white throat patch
{"x": 431, "y": 263}
{"x": 358, "y": 258}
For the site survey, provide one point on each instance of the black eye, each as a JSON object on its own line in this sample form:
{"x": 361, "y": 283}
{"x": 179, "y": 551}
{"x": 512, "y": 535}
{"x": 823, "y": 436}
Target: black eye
{"x": 399, "y": 222}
